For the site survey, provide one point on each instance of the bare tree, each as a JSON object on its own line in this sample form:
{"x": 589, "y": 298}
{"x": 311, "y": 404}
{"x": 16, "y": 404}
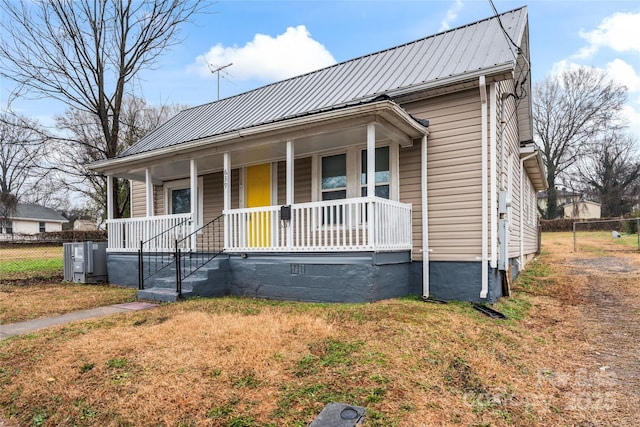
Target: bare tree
{"x": 84, "y": 144}
{"x": 569, "y": 110}
{"x": 21, "y": 149}
{"x": 611, "y": 171}
{"x": 87, "y": 53}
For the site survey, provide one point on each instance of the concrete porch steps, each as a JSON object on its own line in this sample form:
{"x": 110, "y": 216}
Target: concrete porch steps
{"x": 212, "y": 279}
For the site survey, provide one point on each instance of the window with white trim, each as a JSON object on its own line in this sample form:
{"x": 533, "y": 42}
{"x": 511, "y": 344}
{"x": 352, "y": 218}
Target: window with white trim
{"x": 177, "y": 197}
{"x": 382, "y": 175}
{"x": 344, "y": 175}
{"x": 334, "y": 177}
{"x": 42, "y": 227}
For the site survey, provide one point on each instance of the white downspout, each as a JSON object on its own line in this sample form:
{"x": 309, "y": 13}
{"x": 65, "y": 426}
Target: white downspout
{"x": 521, "y": 202}
{"x": 484, "y": 257}
{"x": 425, "y": 218}
{"x": 492, "y": 180}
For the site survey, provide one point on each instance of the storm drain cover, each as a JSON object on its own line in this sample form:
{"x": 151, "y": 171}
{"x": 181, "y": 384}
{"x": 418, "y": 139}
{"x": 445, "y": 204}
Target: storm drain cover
{"x": 339, "y": 415}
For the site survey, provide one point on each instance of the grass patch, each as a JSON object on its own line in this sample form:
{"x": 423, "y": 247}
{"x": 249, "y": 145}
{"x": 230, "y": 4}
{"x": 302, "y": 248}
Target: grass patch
{"x": 30, "y": 301}
{"x": 29, "y": 262}
{"x": 243, "y": 362}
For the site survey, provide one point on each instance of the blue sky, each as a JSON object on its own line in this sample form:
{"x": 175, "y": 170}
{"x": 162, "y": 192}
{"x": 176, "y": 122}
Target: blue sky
{"x": 267, "y": 41}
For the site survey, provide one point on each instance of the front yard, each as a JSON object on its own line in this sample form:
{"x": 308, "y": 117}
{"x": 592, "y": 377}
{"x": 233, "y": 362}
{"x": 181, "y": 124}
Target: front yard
{"x": 244, "y": 362}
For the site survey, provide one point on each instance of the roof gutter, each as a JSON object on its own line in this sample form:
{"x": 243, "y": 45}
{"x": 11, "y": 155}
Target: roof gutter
{"x": 382, "y": 108}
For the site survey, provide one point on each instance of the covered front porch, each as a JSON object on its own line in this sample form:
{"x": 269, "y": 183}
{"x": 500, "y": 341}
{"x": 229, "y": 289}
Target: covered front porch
{"x": 296, "y": 193}
{"x": 301, "y": 185}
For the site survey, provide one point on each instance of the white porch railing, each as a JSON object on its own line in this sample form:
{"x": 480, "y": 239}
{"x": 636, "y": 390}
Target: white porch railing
{"x": 126, "y": 234}
{"x": 359, "y": 224}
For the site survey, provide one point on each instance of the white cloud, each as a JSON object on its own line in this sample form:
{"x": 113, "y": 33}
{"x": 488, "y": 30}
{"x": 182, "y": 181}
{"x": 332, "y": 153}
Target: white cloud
{"x": 269, "y": 58}
{"x": 623, "y": 73}
{"x": 620, "y": 32}
{"x": 452, "y": 14}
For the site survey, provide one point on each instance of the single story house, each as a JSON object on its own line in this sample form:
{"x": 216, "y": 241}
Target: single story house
{"x": 30, "y": 219}
{"x": 409, "y": 170}
{"x": 582, "y": 209}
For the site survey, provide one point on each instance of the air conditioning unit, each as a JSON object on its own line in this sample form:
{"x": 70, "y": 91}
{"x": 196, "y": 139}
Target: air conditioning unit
{"x": 85, "y": 262}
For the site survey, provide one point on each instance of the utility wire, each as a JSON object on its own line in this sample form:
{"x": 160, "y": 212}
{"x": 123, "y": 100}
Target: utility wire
{"x": 519, "y": 88}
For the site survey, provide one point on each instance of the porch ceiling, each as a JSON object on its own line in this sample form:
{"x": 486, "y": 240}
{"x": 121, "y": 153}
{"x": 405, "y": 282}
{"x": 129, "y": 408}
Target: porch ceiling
{"x": 314, "y": 136}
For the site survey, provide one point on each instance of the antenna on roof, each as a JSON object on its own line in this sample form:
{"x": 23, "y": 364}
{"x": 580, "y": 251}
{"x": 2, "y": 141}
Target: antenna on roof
{"x": 217, "y": 71}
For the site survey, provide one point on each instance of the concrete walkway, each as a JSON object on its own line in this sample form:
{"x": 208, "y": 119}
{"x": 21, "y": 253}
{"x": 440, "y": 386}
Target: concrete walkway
{"x": 12, "y": 329}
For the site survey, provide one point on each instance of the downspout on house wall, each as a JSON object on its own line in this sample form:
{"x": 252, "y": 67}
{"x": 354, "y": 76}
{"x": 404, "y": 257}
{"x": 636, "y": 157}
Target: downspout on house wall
{"x": 484, "y": 256}
{"x": 493, "y": 127}
{"x": 425, "y": 219}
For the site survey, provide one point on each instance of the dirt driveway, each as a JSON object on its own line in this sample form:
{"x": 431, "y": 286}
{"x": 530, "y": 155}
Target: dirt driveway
{"x": 601, "y": 290}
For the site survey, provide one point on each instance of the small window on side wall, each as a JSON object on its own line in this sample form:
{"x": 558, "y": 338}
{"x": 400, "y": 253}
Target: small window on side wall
{"x": 42, "y": 227}
{"x": 6, "y": 227}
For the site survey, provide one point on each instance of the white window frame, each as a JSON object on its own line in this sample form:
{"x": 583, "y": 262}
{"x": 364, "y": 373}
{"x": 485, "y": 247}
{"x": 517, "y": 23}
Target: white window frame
{"x": 182, "y": 184}
{"x": 354, "y": 169}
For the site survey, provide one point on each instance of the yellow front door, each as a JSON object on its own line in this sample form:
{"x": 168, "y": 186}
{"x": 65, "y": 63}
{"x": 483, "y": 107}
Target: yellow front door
{"x": 258, "y": 185}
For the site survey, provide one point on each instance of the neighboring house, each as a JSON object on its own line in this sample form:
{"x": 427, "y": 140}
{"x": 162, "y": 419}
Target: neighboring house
{"x": 30, "y": 219}
{"x": 410, "y": 170}
{"x": 571, "y": 204}
{"x": 563, "y": 197}
{"x": 85, "y": 225}
{"x": 583, "y": 209}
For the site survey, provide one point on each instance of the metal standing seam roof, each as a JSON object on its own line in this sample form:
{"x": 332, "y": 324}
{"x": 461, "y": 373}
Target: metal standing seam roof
{"x": 453, "y": 53}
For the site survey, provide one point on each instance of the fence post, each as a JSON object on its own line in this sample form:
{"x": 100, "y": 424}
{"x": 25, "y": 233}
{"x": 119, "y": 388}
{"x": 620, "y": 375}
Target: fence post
{"x": 574, "y": 237}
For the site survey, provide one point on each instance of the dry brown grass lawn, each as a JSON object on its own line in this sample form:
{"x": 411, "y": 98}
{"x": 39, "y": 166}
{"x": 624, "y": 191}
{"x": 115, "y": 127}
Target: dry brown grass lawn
{"x": 243, "y": 362}
{"x": 33, "y": 300}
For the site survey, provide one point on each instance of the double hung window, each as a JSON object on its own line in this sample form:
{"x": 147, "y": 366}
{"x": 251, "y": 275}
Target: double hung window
{"x": 382, "y": 173}
{"x": 334, "y": 177}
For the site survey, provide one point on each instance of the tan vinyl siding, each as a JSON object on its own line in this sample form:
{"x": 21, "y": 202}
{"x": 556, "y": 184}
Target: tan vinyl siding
{"x": 138, "y": 199}
{"x": 512, "y": 135}
{"x": 302, "y": 173}
{"x": 454, "y": 177}
{"x": 158, "y": 200}
{"x": 524, "y": 120}
{"x": 410, "y": 191}
{"x": 213, "y": 196}
{"x": 282, "y": 183}
{"x": 302, "y": 181}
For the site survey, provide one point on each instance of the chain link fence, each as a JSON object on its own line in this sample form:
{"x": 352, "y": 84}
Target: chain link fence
{"x": 40, "y": 256}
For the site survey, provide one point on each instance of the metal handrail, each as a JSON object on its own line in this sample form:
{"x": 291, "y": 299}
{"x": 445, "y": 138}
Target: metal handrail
{"x": 209, "y": 250}
{"x": 162, "y": 259}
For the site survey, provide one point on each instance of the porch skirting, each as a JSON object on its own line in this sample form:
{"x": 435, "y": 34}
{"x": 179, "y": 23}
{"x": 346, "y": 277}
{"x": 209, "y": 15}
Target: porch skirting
{"x": 351, "y": 277}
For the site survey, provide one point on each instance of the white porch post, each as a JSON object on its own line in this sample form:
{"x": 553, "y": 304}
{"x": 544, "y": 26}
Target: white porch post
{"x": 290, "y": 188}
{"x": 194, "y": 201}
{"x": 109, "y": 197}
{"x": 290, "y": 165}
{"x": 149, "y": 191}
{"x": 371, "y": 178}
{"x": 227, "y": 196}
